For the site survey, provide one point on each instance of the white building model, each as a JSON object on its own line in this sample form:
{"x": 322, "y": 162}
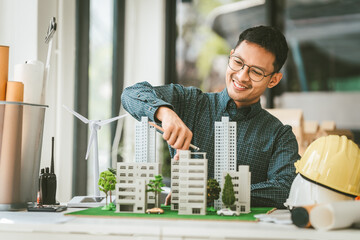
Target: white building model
{"x": 189, "y": 183}
{"x": 225, "y": 151}
{"x": 188, "y": 174}
{"x": 241, "y": 181}
{"x": 132, "y": 180}
{"x": 145, "y": 141}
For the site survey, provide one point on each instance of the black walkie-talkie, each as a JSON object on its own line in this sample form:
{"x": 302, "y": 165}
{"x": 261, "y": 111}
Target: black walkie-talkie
{"x": 48, "y": 183}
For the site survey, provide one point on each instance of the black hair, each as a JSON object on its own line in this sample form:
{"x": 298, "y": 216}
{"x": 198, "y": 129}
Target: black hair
{"x": 270, "y": 39}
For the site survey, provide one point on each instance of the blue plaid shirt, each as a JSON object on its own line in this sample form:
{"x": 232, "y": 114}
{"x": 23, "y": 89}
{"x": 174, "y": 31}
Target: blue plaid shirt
{"x": 263, "y": 142}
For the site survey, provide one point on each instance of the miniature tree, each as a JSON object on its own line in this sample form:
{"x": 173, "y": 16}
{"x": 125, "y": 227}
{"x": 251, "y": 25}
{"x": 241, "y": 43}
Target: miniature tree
{"x": 213, "y": 192}
{"x": 107, "y": 182}
{"x": 155, "y": 186}
{"x": 228, "y": 196}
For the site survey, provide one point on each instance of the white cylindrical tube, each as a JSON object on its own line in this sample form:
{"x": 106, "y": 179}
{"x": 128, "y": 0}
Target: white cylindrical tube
{"x": 335, "y": 215}
{"x": 31, "y": 74}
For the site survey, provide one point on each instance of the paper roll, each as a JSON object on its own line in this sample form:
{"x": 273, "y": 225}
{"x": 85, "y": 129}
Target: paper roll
{"x": 4, "y": 69}
{"x": 335, "y": 215}
{"x": 11, "y": 155}
{"x": 300, "y": 216}
{"x": 14, "y": 91}
{"x": 11, "y": 145}
{"x": 31, "y": 74}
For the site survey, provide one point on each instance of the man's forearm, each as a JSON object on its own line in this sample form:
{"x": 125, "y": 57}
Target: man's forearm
{"x": 140, "y": 100}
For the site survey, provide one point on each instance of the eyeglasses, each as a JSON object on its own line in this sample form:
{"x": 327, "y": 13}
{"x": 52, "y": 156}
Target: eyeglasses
{"x": 256, "y": 74}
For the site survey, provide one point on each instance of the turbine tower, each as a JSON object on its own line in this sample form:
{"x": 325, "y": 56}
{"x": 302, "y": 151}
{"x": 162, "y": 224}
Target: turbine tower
{"x": 94, "y": 126}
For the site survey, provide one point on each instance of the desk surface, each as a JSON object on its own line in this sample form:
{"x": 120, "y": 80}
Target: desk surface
{"x": 126, "y": 228}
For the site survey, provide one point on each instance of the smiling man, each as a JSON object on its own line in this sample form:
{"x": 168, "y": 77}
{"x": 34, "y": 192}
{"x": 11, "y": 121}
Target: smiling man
{"x": 263, "y": 142}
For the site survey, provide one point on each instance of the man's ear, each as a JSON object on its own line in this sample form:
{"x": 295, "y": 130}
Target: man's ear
{"x": 275, "y": 79}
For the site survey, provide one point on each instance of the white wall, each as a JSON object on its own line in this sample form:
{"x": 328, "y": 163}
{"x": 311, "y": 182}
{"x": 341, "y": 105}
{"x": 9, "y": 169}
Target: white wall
{"x": 341, "y": 107}
{"x": 18, "y": 29}
{"x": 23, "y": 26}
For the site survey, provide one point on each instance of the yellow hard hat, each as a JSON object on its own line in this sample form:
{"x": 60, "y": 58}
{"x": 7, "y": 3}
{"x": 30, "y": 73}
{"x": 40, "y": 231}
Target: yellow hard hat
{"x": 334, "y": 162}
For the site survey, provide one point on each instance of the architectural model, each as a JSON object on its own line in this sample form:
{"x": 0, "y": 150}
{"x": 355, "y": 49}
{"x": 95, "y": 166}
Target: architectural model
{"x": 132, "y": 180}
{"x": 225, "y": 151}
{"x": 188, "y": 182}
{"x": 145, "y": 141}
{"x": 241, "y": 180}
{"x": 188, "y": 174}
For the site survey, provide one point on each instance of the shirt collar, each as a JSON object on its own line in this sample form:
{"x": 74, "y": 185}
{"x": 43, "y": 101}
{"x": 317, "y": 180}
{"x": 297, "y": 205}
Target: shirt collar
{"x": 228, "y": 105}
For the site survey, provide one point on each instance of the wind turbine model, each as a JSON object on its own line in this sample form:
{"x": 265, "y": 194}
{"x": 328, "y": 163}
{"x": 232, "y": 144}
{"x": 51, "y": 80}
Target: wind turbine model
{"x": 94, "y": 126}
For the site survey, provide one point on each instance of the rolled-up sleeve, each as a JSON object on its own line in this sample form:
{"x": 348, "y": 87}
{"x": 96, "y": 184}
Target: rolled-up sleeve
{"x": 142, "y": 99}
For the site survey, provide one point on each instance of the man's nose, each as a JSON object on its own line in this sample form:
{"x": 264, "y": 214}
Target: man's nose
{"x": 243, "y": 73}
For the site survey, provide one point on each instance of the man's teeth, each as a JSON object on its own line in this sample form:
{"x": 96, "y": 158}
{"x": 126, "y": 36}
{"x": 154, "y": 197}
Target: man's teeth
{"x": 237, "y": 85}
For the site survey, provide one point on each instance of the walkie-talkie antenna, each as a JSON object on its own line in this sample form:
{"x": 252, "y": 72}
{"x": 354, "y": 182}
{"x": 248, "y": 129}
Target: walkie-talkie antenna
{"x": 52, "y": 156}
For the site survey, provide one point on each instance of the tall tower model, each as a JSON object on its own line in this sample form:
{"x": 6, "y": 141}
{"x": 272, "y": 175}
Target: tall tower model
{"x": 145, "y": 142}
{"x": 225, "y": 151}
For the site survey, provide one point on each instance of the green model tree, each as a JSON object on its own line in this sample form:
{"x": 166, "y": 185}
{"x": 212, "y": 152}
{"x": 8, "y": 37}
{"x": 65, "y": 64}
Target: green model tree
{"x": 213, "y": 192}
{"x": 228, "y": 195}
{"x": 107, "y": 182}
{"x": 155, "y": 187}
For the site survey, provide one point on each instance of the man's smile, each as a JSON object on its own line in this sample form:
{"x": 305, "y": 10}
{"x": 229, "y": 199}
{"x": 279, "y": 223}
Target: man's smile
{"x": 238, "y": 86}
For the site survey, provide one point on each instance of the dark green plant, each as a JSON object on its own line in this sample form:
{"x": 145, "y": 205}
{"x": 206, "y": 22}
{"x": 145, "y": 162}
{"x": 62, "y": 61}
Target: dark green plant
{"x": 112, "y": 170}
{"x": 228, "y": 195}
{"x": 155, "y": 186}
{"x": 213, "y": 191}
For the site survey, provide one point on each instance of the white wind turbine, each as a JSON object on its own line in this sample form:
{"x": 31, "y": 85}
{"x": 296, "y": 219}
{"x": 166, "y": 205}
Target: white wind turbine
{"x": 94, "y": 126}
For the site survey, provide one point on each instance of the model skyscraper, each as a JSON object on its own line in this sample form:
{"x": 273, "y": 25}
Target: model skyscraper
{"x": 225, "y": 151}
{"x": 145, "y": 142}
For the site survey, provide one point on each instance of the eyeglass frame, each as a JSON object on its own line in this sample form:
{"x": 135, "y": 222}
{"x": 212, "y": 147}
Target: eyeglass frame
{"x": 242, "y": 68}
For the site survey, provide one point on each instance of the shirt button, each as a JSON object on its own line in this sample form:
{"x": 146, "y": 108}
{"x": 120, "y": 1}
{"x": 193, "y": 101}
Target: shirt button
{"x": 153, "y": 102}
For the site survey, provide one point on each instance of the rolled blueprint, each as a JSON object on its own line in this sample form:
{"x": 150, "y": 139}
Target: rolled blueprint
{"x": 11, "y": 144}
{"x": 31, "y": 74}
{"x": 300, "y": 216}
{"x": 335, "y": 215}
{"x": 4, "y": 69}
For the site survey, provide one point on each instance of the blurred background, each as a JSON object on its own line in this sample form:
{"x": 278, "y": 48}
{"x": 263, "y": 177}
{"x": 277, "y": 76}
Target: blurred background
{"x": 103, "y": 46}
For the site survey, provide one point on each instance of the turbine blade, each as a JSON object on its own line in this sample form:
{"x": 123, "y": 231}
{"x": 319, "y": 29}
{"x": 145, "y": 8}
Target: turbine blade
{"x": 91, "y": 140}
{"x": 102, "y": 123}
{"x": 79, "y": 116}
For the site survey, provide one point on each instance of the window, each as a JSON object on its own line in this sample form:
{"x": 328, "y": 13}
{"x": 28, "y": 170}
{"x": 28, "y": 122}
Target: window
{"x": 100, "y": 81}
{"x": 196, "y": 210}
{"x": 242, "y": 208}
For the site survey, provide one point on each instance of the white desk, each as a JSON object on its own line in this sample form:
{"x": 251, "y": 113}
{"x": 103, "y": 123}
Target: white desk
{"x": 131, "y": 228}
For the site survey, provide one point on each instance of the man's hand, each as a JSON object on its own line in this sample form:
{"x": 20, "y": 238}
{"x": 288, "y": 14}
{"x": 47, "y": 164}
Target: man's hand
{"x": 168, "y": 200}
{"x": 176, "y": 133}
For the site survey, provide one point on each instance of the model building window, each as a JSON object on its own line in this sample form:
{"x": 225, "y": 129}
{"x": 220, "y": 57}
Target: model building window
{"x": 196, "y": 210}
{"x": 242, "y": 208}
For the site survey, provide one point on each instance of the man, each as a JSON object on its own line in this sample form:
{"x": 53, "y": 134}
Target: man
{"x": 263, "y": 142}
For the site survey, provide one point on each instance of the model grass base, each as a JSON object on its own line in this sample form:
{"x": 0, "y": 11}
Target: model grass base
{"x": 168, "y": 213}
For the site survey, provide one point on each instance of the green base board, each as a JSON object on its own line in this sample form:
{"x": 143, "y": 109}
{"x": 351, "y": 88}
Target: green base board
{"x": 169, "y": 214}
